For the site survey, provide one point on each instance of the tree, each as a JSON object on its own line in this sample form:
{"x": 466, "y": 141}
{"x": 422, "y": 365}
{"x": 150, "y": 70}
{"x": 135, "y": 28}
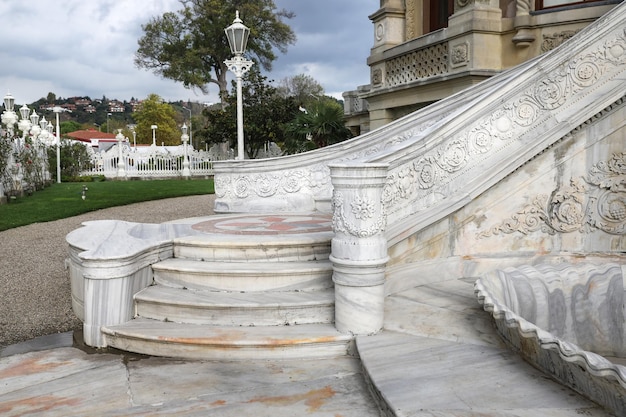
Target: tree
{"x": 74, "y": 159}
{"x": 320, "y": 125}
{"x": 153, "y": 111}
{"x": 265, "y": 115}
{"x": 190, "y": 46}
{"x": 303, "y": 88}
{"x": 69, "y": 126}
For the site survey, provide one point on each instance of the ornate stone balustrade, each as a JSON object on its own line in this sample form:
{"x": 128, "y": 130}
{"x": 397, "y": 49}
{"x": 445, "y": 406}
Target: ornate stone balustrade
{"x": 564, "y": 319}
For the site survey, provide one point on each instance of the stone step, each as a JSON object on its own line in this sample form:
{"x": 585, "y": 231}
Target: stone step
{"x": 255, "y": 248}
{"x": 243, "y": 276}
{"x": 235, "y": 308}
{"x": 195, "y": 341}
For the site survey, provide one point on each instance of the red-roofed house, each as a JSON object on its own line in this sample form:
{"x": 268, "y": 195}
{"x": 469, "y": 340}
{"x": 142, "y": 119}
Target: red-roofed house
{"x": 96, "y": 139}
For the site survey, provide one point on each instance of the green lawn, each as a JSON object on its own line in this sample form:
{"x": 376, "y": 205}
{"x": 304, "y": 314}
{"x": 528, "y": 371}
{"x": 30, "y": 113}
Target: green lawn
{"x": 63, "y": 200}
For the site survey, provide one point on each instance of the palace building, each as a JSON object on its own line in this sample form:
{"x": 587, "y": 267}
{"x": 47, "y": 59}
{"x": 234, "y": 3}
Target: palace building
{"x": 425, "y": 50}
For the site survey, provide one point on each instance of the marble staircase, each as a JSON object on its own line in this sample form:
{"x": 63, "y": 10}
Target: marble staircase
{"x": 224, "y": 296}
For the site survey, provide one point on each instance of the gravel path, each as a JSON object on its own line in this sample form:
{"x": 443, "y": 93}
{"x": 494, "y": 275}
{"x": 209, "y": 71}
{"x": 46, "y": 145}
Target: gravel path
{"x": 34, "y": 284}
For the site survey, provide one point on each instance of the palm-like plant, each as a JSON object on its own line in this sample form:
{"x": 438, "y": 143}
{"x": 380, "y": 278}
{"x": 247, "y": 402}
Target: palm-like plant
{"x": 320, "y": 125}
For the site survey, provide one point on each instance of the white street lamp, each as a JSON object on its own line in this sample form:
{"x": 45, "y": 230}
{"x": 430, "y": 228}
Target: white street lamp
{"x": 190, "y": 128}
{"x": 57, "y": 110}
{"x": 9, "y": 118}
{"x": 24, "y": 123}
{"x": 132, "y": 129}
{"x": 237, "y": 35}
{"x": 154, "y": 128}
{"x": 185, "y": 138}
{"x": 121, "y": 165}
{"x": 108, "y": 115}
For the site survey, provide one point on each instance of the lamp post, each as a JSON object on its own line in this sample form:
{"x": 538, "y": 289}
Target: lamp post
{"x": 237, "y": 35}
{"x": 108, "y": 115}
{"x": 154, "y": 128}
{"x": 57, "y": 110}
{"x": 9, "y": 118}
{"x": 132, "y": 129}
{"x": 185, "y": 138}
{"x": 24, "y": 123}
{"x": 121, "y": 165}
{"x": 190, "y": 129}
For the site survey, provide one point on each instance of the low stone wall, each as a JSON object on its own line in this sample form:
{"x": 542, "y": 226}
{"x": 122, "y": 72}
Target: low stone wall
{"x": 562, "y": 318}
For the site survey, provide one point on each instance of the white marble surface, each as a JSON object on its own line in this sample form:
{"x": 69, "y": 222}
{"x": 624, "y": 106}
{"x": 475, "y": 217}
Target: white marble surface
{"x": 439, "y": 355}
{"x": 221, "y": 308}
{"x": 243, "y": 276}
{"x": 193, "y": 341}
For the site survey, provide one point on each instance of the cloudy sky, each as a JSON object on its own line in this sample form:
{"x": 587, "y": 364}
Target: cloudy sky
{"x": 86, "y": 48}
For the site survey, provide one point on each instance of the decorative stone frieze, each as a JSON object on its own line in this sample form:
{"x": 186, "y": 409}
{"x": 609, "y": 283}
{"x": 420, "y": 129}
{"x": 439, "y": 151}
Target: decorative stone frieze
{"x": 597, "y": 202}
{"x": 553, "y": 40}
{"x": 359, "y": 248}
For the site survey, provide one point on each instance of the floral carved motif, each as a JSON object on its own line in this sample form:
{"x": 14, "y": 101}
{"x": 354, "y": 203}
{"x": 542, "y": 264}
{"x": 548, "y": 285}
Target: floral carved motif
{"x": 552, "y": 41}
{"x": 597, "y": 202}
{"x": 363, "y": 210}
{"x": 273, "y": 183}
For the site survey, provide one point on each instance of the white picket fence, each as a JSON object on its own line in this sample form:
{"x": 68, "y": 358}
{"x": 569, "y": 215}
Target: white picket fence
{"x": 162, "y": 161}
{"x": 152, "y": 162}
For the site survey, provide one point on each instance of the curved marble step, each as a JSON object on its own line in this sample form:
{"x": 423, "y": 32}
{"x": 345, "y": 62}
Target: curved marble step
{"x": 235, "y": 308}
{"x": 193, "y": 341}
{"x": 256, "y": 248}
{"x": 243, "y": 276}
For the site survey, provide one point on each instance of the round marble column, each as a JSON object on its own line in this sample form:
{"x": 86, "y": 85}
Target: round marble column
{"x": 359, "y": 248}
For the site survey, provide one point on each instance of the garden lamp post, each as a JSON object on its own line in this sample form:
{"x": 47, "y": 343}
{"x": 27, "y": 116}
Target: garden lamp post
{"x": 9, "y": 118}
{"x": 154, "y": 128}
{"x": 237, "y": 35}
{"x": 57, "y": 110}
{"x": 121, "y": 165}
{"x": 185, "y": 138}
{"x": 24, "y": 123}
{"x": 190, "y": 129}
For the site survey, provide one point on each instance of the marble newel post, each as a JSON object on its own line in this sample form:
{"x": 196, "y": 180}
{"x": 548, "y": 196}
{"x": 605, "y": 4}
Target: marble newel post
{"x": 359, "y": 247}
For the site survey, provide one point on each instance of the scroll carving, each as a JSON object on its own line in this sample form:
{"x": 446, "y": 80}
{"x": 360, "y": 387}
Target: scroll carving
{"x": 597, "y": 202}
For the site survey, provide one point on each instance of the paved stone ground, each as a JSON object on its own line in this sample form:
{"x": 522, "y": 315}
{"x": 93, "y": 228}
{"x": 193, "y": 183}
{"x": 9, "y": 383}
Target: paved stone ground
{"x": 34, "y": 284}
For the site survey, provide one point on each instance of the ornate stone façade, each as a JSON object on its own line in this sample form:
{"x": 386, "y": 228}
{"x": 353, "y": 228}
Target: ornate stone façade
{"x": 425, "y": 50}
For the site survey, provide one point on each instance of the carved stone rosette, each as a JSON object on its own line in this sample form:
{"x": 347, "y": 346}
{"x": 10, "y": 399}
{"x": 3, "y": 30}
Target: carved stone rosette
{"x": 359, "y": 248}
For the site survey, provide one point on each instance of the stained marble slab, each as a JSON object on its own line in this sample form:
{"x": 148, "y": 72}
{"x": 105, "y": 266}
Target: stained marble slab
{"x": 68, "y": 382}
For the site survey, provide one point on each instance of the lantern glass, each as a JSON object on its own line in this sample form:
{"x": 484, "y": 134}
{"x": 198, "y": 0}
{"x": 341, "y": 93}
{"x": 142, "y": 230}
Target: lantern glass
{"x": 9, "y": 102}
{"x": 237, "y": 35}
{"x": 24, "y": 112}
{"x": 34, "y": 118}
{"x": 184, "y": 129}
